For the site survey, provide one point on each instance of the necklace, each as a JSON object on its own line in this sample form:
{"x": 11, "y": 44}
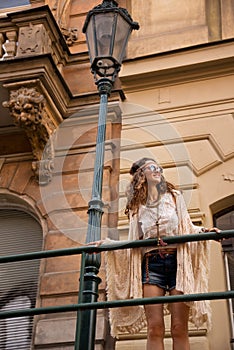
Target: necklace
{"x": 153, "y": 203}
{"x": 154, "y": 215}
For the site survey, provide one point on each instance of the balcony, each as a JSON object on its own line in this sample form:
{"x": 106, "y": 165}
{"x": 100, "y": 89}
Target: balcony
{"x": 37, "y": 85}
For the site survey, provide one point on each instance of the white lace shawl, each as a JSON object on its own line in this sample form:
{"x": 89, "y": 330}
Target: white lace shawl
{"x": 123, "y": 276}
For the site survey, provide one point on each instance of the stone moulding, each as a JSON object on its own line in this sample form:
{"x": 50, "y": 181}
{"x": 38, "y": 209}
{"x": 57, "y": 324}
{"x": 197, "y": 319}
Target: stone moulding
{"x": 37, "y": 31}
{"x": 27, "y": 106}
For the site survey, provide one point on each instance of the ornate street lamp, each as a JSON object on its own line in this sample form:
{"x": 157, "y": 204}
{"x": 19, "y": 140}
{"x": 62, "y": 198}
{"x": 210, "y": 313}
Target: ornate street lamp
{"x": 107, "y": 28}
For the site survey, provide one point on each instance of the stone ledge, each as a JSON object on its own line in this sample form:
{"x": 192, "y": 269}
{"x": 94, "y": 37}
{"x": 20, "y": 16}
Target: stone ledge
{"x": 62, "y": 331}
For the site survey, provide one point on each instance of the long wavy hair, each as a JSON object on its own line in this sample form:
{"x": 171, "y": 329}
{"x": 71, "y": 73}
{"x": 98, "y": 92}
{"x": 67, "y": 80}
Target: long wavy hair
{"x": 137, "y": 191}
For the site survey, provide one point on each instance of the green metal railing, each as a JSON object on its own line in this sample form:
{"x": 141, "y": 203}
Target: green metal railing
{"x": 82, "y": 306}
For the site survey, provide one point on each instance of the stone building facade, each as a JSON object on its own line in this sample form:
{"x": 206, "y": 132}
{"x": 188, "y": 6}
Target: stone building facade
{"x": 173, "y": 101}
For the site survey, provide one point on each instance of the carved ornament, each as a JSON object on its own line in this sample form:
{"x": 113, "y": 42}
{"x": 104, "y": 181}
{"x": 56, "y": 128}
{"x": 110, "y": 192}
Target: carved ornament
{"x": 32, "y": 40}
{"x": 27, "y": 107}
{"x": 61, "y": 12}
{"x": 70, "y": 35}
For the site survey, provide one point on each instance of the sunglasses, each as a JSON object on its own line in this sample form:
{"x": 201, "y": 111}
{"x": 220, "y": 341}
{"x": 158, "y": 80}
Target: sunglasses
{"x": 154, "y": 168}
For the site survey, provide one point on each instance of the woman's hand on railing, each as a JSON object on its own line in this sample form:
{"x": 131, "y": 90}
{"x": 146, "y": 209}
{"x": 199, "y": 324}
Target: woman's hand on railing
{"x": 97, "y": 243}
{"x": 213, "y": 229}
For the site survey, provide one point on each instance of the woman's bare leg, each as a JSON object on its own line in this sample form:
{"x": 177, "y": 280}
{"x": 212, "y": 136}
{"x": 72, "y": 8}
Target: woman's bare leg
{"x": 179, "y": 324}
{"x": 155, "y": 319}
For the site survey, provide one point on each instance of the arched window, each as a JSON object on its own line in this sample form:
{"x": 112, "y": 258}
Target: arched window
{"x": 19, "y": 233}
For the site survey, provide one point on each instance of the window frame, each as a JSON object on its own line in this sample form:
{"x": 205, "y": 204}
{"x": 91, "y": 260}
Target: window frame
{"x": 228, "y": 257}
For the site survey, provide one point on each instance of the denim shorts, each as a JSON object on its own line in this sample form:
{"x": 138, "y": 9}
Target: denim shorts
{"x": 159, "y": 270}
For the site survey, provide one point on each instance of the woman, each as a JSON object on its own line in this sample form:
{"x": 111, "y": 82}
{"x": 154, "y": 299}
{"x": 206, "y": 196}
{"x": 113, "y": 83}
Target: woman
{"x": 156, "y": 210}
{"x": 154, "y": 201}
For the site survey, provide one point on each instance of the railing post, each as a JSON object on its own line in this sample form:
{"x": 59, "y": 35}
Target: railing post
{"x": 80, "y": 300}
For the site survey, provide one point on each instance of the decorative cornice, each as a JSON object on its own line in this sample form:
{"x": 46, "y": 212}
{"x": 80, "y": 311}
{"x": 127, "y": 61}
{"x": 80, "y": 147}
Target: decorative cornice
{"x": 28, "y": 109}
{"x": 174, "y": 67}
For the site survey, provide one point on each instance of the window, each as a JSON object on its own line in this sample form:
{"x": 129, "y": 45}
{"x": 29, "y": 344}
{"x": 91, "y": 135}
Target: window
{"x": 225, "y": 221}
{"x": 19, "y": 233}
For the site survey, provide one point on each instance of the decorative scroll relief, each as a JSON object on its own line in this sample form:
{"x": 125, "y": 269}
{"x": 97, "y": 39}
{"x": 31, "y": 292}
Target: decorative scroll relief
{"x": 27, "y": 107}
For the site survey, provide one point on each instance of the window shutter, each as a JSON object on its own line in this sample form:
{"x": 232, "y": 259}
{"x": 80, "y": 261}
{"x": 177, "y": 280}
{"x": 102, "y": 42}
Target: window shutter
{"x": 19, "y": 233}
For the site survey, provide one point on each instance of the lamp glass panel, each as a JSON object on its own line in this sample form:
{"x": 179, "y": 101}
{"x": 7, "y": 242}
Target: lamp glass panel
{"x": 90, "y": 38}
{"x": 104, "y": 28}
{"x": 123, "y": 31}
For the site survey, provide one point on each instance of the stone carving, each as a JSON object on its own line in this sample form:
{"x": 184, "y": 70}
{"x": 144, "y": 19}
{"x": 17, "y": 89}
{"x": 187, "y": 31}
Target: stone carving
{"x": 70, "y": 35}
{"x": 32, "y": 40}
{"x": 27, "y": 107}
{"x": 61, "y": 12}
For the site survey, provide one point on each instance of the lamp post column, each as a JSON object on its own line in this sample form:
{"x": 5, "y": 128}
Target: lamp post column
{"x": 85, "y": 337}
{"x": 107, "y": 28}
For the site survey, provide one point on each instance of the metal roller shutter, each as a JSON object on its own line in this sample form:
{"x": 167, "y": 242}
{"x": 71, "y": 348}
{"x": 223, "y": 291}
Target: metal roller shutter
{"x": 19, "y": 233}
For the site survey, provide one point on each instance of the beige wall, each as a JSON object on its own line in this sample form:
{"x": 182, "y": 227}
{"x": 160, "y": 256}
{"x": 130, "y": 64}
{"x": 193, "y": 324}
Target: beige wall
{"x": 179, "y": 109}
{"x": 176, "y": 24}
